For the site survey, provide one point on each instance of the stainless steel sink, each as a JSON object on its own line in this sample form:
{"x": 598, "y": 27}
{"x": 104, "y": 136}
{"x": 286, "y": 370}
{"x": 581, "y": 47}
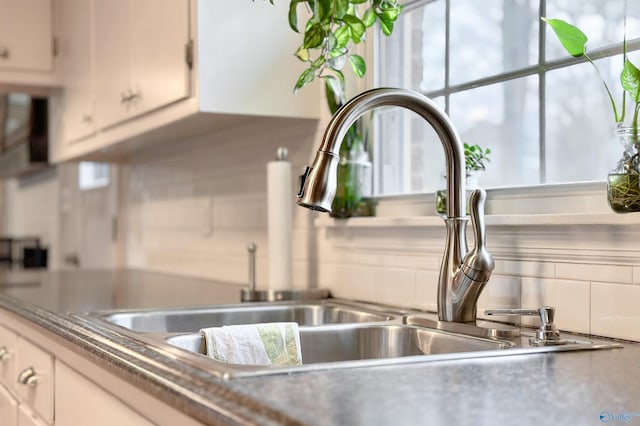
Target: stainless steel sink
{"x": 194, "y": 319}
{"x": 334, "y": 334}
{"x": 361, "y": 342}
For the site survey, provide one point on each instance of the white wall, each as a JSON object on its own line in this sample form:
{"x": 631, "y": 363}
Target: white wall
{"x": 191, "y": 207}
{"x": 31, "y": 208}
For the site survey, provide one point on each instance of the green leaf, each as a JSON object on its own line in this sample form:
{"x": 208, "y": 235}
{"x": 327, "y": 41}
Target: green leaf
{"x": 293, "y": 14}
{"x": 332, "y": 40}
{"x": 314, "y": 36}
{"x": 342, "y": 6}
{"x": 369, "y": 18}
{"x": 391, "y": 13}
{"x": 356, "y": 26}
{"x": 385, "y": 24}
{"x": 630, "y": 79}
{"x": 323, "y": 10}
{"x": 358, "y": 65}
{"x": 571, "y": 37}
{"x": 303, "y": 54}
{"x": 333, "y": 92}
{"x": 306, "y": 77}
{"x": 358, "y": 1}
{"x": 342, "y": 36}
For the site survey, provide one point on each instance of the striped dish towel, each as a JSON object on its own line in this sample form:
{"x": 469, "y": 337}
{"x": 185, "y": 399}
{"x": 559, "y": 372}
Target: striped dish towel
{"x": 254, "y": 344}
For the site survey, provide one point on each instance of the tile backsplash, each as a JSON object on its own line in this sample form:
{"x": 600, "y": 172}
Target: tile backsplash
{"x": 190, "y": 208}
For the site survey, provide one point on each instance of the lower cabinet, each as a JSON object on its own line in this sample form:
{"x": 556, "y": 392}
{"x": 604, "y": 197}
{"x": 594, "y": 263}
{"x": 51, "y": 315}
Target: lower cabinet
{"x": 8, "y": 408}
{"x": 26, "y": 417}
{"x": 79, "y": 401}
{"x": 38, "y": 389}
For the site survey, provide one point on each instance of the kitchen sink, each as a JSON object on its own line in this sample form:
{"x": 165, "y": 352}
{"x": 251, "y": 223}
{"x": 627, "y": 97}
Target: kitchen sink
{"x": 193, "y": 319}
{"x": 360, "y": 342}
{"x": 334, "y": 334}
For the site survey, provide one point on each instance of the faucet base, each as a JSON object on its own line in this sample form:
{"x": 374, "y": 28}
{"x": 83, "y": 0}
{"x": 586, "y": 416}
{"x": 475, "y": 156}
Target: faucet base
{"x": 477, "y": 328}
{"x": 247, "y": 295}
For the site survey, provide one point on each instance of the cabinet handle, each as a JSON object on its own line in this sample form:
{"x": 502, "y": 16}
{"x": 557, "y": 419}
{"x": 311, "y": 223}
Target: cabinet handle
{"x": 28, "y": 377}
{"x": 4, "y": 354}
{"x": 4, "y": 52}
{"x": 128, "y": 96}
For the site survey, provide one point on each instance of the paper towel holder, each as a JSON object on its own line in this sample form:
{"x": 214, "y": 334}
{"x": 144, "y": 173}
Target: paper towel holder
{"x": 250, "y": 294}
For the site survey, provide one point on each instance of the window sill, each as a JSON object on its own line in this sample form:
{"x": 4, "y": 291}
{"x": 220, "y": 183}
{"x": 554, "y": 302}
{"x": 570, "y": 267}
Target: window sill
{"x": 593, "y": 235}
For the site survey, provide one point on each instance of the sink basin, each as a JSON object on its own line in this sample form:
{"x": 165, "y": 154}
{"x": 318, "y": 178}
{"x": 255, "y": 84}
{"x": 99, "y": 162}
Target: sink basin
{"x": 193, "y": 319}
{"x": 362, "y": 342}
{"x": 334, "y": 334}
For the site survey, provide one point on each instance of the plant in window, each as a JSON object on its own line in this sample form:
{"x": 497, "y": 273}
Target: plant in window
{"x": 475, "y": 160}
{"x": 331, "y": 30}
{"x": 623, "y": 189}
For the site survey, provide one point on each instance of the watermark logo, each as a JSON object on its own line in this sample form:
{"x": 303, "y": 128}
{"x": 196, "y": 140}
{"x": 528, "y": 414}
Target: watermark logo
{"x": 622, "y": 416}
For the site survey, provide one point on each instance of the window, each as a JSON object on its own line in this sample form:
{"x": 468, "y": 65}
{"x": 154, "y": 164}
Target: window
{"x": 508, "y": 85}
{"x": 92, "y": 175}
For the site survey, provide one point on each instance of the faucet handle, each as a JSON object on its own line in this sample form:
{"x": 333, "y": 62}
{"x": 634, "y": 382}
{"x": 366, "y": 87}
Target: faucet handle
{"x": 547, "y": 334}
{"x": 478, "y": 263}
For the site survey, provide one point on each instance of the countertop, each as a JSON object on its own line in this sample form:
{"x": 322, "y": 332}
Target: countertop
{"x": 580, "y": 387}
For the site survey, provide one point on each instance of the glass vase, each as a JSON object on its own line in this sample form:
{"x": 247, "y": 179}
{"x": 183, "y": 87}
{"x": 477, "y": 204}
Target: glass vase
{"x": 354, "y": 183}
{"x": 471, "y": 183}
{"x": 623, "y": 182}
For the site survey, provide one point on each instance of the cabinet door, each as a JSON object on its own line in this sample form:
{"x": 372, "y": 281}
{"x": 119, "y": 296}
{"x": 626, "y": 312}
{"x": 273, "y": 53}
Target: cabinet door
{"x": 27, "y": 418}
{"x": 26, "y": 35}
{"x": 8, "y": 408}
{"x": 8, "y": 355}
{"x": 76, "y": 65}
{"x": 37, "y": 392}
{"x": 160, "y": 33}
{"x": 80, "y": 401}
{"x": 113, "y": 60}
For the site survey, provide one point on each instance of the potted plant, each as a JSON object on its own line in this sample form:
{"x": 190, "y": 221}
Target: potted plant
{"x": 475, "y": 160}
{"x": 332, "y": 29}
{"x": 623, "y": 182}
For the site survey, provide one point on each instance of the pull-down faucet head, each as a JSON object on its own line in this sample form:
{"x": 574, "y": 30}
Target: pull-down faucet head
{"x": 462, "y": 275}
{"x": 318, "y": 184}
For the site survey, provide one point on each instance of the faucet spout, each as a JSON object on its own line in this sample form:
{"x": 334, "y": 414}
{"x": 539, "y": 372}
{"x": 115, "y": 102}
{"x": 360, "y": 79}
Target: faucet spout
{"x": 462, "y": 277}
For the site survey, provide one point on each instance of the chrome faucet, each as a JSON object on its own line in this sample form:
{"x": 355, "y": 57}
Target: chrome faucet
{"x": 463, "y": 274}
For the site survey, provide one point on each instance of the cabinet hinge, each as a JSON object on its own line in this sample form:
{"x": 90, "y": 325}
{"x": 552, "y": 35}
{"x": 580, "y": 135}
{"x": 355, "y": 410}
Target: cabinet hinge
{"x": 188, "y": 53}
{"x": 54, "y": 46}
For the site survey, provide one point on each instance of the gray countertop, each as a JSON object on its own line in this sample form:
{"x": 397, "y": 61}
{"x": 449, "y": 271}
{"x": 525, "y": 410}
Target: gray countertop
{"x": 560, "y": 388}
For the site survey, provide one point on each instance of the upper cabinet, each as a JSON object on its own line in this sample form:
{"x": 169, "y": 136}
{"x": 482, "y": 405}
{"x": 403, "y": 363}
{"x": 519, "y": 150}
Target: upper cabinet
{"x": 26, "y": 43}
{"x": 141, "y": 62}
{"x": 139, "y": 72}
{"x": 76, "y": 108}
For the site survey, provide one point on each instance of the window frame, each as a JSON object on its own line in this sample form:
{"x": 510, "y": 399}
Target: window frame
{"x": 591, "y": 196}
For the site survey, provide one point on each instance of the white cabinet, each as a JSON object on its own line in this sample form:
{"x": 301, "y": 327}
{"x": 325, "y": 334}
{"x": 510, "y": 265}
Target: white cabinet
{"x": 35, "y": 378}
{"x": 26, "y": 417}
{"x": 98, "y": 407}
{"x": 8, "y": 355}
{"x": 140, "y": 57}
{"x": 166, "y": 70}
{"x": 8, "y": 408}
{"x": 77, "y": 106}
{"x": 26, "y": 42}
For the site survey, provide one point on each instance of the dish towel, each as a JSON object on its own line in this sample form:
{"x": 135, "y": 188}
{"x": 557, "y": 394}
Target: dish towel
{"x": 254, "y": 344}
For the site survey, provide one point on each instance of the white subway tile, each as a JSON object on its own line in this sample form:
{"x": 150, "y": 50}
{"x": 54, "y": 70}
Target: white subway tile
{"x": 570, "y": 298}
{"x": 636, "y": 274}
{"x": 376, "y": 259}
{"x": 525, "y": 268}
{"x": 614, "y": 310}
{"x": 395, "y": 286}
{"x": 421, "y": 261}
{"x": 357, "y": 282}
{"x": 500, "y": 292}
{"x": 427, "y": 290}
{"x": 601, "y": 273}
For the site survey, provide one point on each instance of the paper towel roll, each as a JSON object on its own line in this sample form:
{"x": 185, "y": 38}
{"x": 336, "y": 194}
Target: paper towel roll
{"x": 279, "y": 212}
